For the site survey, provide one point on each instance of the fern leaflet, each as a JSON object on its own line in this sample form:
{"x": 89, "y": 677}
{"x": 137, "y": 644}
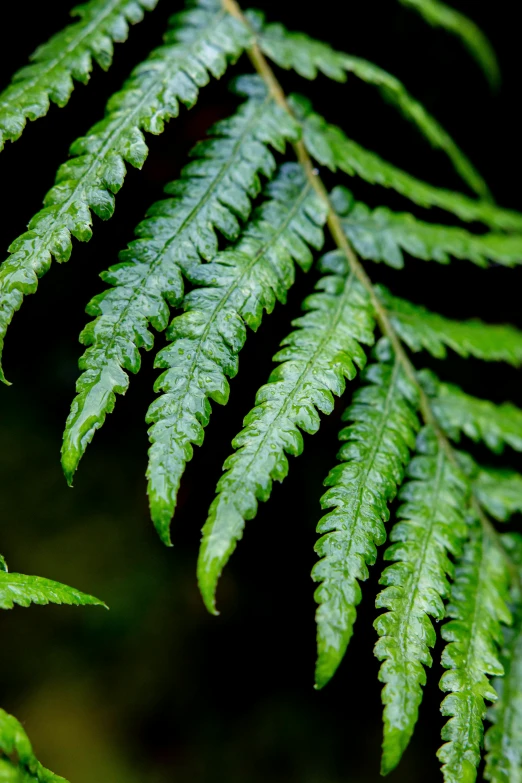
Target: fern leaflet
{"x": 18, "y": 764}
{"x": 499, "y": 492}
{"x": 480, "y": 420}
{"x": 307, "y": 56}
{"x": 25, "y": 590}
{"x": 477, "y": 607}
{"x": 441, "y": 15}
{"x": 66, "y": 56}
{"x": 213, "y": 192}
{"x": 330, "y": 146}
{"x": 316, "y": 359}
{"x": 233, "y": 290}
{"x": 504, "y": 738}
{"x": 379, "y": 439}
{"x": 383, "y": 235}
{"x": 200, "y": 42}
{"x": 431, "y": 527}
{"x": 421, "y": 329}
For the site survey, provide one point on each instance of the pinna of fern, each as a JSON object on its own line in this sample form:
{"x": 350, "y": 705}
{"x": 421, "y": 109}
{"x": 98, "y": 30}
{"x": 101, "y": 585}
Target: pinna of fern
{"x": 225, "y": 262}
{"x": 18, "y": 764}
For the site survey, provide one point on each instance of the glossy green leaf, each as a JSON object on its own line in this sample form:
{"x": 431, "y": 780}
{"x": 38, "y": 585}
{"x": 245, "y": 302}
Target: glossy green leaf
{"x": 499, "y": 492}
{"x": 330, "y": 146}
{"x": 230, "y": 293}
{"x": 383, "y": 235}
{"x": 307, "y": 56}
{"x": 26, "y": 590}
{"x": 431, "y": 527}
{"x": 213, "y": 194}
{"x": 315, "y": 359}
{"x": 378, "y": 441}
{"x": 480, "y": 420}
{"x": 442, "y": 15}
{"x": 18, "y": 764}
{"x": 199, "y": 44}
{"x": 503, "y": 739}
{"x": 67, "y": 56}
{"x": 478, "y": 605}
{"x": 421, "y": 330}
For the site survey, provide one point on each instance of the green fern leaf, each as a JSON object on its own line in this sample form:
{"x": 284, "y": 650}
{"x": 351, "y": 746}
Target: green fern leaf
{"x": 18, "y": 764}
{"x": 477, "y": 607}
{"x": 499, "y": 492}
{"x": 213, "y": 192}
{"x": 379, "y": 439}
{"x": 441, "y": 15}
{"x": 504, "y": 738}
{"x": 307, "y": 56}
{"x": 26, "y": 590}
{"x": 383, "y": 235}
{"x": 316, "y": 359}
{"x": 66, "y": 56}
{"x": 233, "y": 291}
{"x": 431, "y": 527}
{"x": 200, "y": 42}
{"x": 480, "y": 420}
{"x": 329, "y": 145}
{"x": 421, "y": 330}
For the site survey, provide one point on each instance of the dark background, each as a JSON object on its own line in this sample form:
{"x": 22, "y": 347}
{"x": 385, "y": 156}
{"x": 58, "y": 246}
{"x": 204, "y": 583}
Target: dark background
{"x": 157, "y": 690}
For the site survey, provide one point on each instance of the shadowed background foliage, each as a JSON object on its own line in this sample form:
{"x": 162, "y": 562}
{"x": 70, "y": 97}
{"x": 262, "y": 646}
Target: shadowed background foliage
{"x": 156, "y": 690}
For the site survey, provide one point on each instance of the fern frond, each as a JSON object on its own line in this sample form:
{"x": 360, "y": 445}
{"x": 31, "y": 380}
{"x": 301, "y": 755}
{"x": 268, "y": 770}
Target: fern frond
{"x": 232, "y": 292}
{"x": 26, "y": 590}
{"x": 200, "y": 43}
{"x": 481, "y": 420}
{"x": 383, "y": 235}
{"x": 441, "y": 15}
{"x": 330, "y": 147}
{"x": 379, "y": 439}
{"x": 307, "y": 56}
{"x": 431, "y": 527}
{"x": 214, "y": 192}
{"x": 18, "y": 764}
{"x": 504, "y": 738}
{"x": 315, "y": 361}
{"x": 422, "y": 329}
{"x": 477, "y": 607}
{"x": 499, "y": 492}
{"x": 66, "y": 56}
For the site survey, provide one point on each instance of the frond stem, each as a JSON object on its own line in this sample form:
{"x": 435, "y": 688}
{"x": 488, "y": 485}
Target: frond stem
{"x": 262, "y": 67}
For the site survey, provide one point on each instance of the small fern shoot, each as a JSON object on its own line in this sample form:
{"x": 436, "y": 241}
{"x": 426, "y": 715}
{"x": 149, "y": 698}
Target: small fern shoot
{"x": 378, "y": 444}
{"x": 315, "y": 359}
{"x": 66, "y": 56}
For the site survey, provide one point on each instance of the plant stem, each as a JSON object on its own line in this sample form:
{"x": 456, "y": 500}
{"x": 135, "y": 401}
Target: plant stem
{"x": 264, "y": 70}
